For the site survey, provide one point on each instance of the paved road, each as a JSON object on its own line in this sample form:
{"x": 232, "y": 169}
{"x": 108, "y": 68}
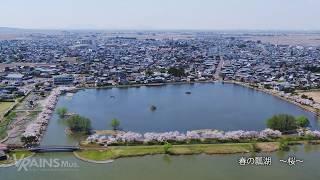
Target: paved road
{"x": 218, "y": 69}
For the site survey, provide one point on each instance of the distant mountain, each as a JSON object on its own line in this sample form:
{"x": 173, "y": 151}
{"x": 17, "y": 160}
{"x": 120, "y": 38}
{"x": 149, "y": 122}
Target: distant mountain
{"x": 10, "y": 30}
{"x": 13, "y": 30}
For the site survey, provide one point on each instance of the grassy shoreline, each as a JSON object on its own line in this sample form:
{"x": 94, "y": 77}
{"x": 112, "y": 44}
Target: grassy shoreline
{"x": 116, "y": 152}
{"x": 101, "y": 155}
{"x": 18, "y": 154}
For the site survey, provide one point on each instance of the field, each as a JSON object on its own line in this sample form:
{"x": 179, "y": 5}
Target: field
{"x": 4, "y": 106}
{"x": 288, "y": 39}
{"x": 315, "y": 95}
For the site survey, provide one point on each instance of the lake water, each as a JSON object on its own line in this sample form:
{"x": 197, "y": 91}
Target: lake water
{"x": 215, "y": 106}
{"x": 209, "y": 106}
{"x": 202, "y": 167}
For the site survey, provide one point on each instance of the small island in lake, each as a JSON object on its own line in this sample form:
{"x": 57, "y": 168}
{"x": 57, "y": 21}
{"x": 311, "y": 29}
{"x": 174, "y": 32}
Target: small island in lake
{"x": 153, "y": 108}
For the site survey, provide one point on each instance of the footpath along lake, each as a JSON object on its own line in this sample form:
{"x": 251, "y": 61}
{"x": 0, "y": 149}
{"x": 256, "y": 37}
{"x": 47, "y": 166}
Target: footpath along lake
{"x": 209, "y": 106}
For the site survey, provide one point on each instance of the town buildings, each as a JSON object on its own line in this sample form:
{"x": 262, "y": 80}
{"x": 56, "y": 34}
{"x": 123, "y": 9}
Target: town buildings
{"x": 103, "y": 59}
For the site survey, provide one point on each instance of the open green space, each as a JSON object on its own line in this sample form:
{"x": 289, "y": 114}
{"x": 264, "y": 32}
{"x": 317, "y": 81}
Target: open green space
{"x": 131, "y": 151}
{"x": 4, "y": 124}
{"x": 4, "y": 106}
{"x": 16, "y": 155}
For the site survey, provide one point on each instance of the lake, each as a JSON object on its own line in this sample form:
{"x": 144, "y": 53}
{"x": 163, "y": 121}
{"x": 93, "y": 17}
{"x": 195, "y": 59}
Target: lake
{"x": 209, "y": 106}
{"x": 202, "y": 167}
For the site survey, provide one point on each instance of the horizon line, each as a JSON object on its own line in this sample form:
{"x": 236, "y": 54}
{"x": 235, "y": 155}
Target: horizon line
{"x": 159, "y": 29}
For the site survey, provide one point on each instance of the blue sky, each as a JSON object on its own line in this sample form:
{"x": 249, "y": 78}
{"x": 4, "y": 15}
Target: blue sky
{"x": 162, "y": 14}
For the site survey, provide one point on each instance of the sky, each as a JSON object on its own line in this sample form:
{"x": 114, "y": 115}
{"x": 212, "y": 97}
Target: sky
{"x": 162, "y": 14}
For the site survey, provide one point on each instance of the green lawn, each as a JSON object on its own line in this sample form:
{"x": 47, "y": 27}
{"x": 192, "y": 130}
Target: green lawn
{"x": 4, "y": 123}
{"x": 18, "y": 154}
{"x": 131, "y": 151}
{"x": 33, "y": 114}
{"x": 212, "y": 149}
{"x": 4, "y": 106}
{"x": 118, "y": 152}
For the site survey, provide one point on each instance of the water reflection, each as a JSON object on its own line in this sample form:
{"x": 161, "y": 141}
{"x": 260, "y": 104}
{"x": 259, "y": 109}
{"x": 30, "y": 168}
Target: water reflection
{"x": 167, "y": 159}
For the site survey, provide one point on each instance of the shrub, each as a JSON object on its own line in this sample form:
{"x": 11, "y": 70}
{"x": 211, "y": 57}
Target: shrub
{"x": 282, "y": 122}
{"x": 115, "y": 123}
{"x": 78, "y": 123}
{"x": 149, "y": 72}
{"x": 177, "y": 72}
{"x": 62, "y": 112}
{"x": 267, "y": 86}
{"x": 167, "y": 147}
{"x": 29, "y": 139}
{"x": 284, "y": 145}
{"x": 302, "y": 121}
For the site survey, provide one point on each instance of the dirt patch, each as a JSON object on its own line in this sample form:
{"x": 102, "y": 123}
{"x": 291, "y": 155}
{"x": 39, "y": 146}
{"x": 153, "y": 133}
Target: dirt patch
{"x": 315, "y": 95}
{"x": 268, "y": 146}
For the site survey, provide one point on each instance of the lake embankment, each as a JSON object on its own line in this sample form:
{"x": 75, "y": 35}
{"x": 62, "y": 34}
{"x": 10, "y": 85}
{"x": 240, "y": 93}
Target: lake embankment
{"x": 116, "y": 152}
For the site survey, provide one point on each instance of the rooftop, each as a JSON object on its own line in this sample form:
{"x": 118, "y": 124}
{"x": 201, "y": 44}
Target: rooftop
{"x": 14, "y": 75}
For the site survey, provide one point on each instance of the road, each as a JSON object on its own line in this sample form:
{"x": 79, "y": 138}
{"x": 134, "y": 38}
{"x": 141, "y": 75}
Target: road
{"x": 218, "y": 69}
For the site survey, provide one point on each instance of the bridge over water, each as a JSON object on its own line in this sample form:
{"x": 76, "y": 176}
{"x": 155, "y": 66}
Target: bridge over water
{"x": 54, "y": 149}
